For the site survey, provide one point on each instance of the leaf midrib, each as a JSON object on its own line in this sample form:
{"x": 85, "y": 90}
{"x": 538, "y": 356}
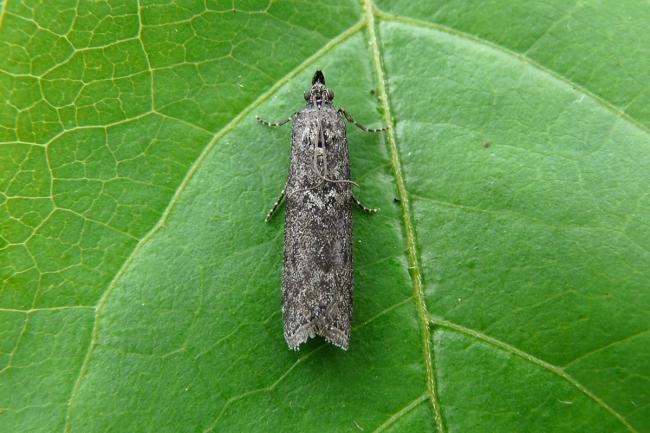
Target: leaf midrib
{"x": 407, "y": 219}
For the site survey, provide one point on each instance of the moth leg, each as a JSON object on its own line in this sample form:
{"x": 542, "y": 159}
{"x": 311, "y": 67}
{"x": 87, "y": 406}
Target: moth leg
{"x": 272, "y": 124}
{"x": 276, "y": 205}
{"x": 359, "y": 125}
{"x": 363, "y": 207}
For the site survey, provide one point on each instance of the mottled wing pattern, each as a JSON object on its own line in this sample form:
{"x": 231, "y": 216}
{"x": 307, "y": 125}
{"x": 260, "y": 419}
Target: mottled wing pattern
{"x": 317, "y": 274}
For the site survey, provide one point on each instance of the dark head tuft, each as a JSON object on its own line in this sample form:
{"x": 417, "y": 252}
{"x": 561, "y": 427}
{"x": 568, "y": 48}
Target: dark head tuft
{"x": 318, "y": 78}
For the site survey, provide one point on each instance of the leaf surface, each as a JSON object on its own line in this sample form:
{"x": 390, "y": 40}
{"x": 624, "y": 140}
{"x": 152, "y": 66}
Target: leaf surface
{"x": 502, "y": 286}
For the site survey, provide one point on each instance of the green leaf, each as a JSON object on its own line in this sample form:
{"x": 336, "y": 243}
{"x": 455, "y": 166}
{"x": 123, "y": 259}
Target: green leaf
{"x": 503, "y": 286}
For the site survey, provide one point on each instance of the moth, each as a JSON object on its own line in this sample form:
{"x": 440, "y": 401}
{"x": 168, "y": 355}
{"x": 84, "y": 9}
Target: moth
{"x": 317, "y": 269}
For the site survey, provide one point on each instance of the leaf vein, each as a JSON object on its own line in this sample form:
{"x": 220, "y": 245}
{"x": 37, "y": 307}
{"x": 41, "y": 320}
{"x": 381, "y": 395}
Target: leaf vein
{"x": 559, "y": 371}
{"x": 416, "y": 272}
{"x": 175, "y": 198}
{"x": 414, "y": 22}
{"x": 607, "y": 346}
{"x": 300, "y": 360}
{"x": 400, "y": 413}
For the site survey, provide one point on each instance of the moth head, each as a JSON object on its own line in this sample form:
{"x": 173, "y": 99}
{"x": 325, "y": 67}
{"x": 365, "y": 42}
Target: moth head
{"x": 318, "y": 94}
